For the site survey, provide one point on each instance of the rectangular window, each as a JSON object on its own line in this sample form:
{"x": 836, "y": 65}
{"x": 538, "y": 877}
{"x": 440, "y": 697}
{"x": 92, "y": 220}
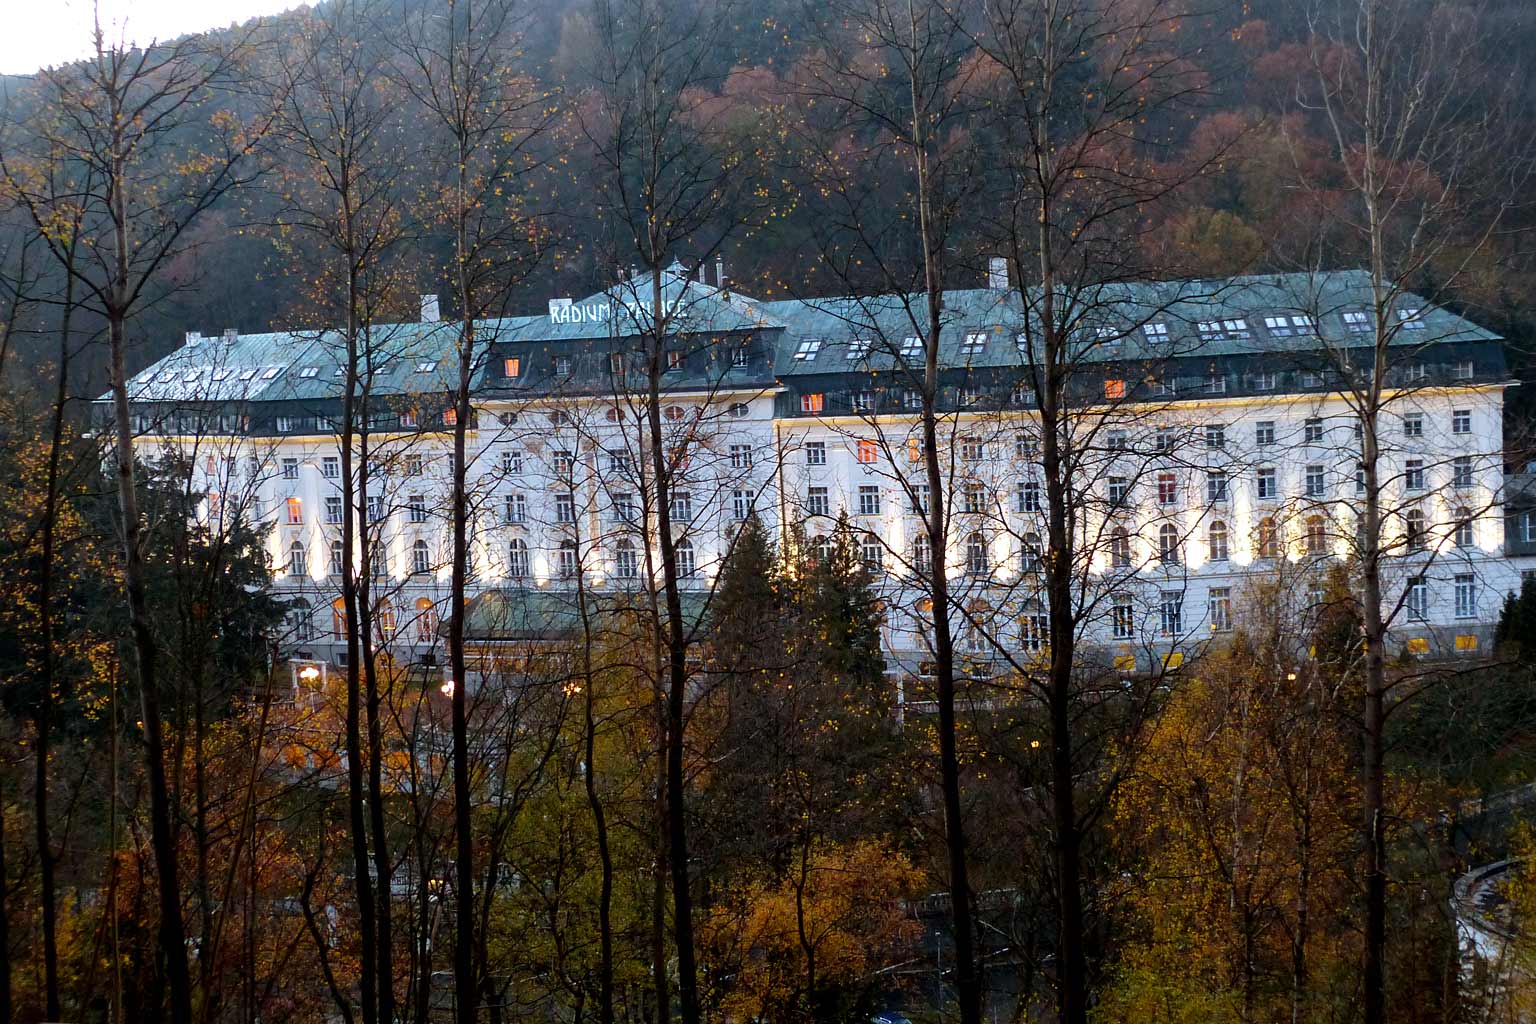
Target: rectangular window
{"x": 862, "y": 401}
{"x": 619, "y": 464}
{"x": 1167, "y": 488}
{"x": 333, "y": 511}
{"x": 741, "y": 505}
{"x": 1463, "y": 537}
{"x": 417, "y": 506}
{"x": 562, "y": 463}
{"x": 1461, "y": 472}
{"x": 1269, "y": 486}
{"x": 920, "y": 499}
{"x": 1357, "y": 321}
{"x": 974, "y": 499}
{"x": 1029, "y": 496}
{"x": 741, "y": 456}
{"x": 1155, "y": 331}
{"x": 1312, "y": 431}
{"x": 1219, "y": 605}
{"x": 413, "y": 466}
{"x": 1264, "y": 381}
{"x": 869, "y": 500}
{"x": 1216, "y": 384}
{"x": 1466, "y": 596}
{"x": 1119, "y": 490}
{"x": 973, "y": 345}
{"x": 512, "y": 462}
{"x": 514, "y": 508}
{"x": 1215, "y": 436}
{"x": 1264, "y": 433}
{"x": 1123, "y": 619}
{"x": 808, "y": 350}
{"x": 1411, "y": 319}
{"x": 290, "y": 469}
{"x": 1413, "y": 424}
{"x": 1216, "y": 485}
{"x": 815, "y": 453}
{"x": 1413, "y": 474}
{"x": 375, "y": 508}
{"x": 812, "y": 403}
{"x": 1171, "y": 612}
{"x": 1315, "y": 483}
{"x": 1463, "y": 370}
{"x": 911, "y": 348}
{"x": 867, "y": 452}
{"x": 1461, "y": 421}
{"x": 1115, "y": 440}
{"x": 562, "y": 366}
{"x": 972, "y": 450}
{"x": 816, "y": 503}
{"x": 330, "y": 467}
{"x": 1165, "y": 386}
{"x": 565, "y": 508}
{"x": 912, "y": 400}
{"x": 674, "y": 359}
{"x": 623, "y": 507}
{"x": 682, "y": 508}
{"x": 1166, "y": 439}
{"x": 295, "y": 512}
{"x": 1114, "y": 389}
{"x": 512, "y": 367}
{"x": 1418, "y": 598}
{"x": 1311, "y": 379}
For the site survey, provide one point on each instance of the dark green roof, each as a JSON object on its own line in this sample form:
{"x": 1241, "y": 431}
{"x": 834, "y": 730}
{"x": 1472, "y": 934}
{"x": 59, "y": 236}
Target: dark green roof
{"x": 509, "y": 614}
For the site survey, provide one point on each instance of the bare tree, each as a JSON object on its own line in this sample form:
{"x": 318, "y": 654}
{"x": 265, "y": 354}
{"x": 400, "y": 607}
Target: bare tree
{"x": 124, "y": 115}
{"x": 1430, "y": 165}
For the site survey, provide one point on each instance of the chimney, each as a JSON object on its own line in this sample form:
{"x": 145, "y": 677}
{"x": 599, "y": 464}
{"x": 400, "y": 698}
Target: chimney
{"x": 720, "y": 272}
{"x": 194, "y": 338}
{"x": 701, "y": 272}
{"x": 997, "y": 272}
{"x": 429, "y": 311}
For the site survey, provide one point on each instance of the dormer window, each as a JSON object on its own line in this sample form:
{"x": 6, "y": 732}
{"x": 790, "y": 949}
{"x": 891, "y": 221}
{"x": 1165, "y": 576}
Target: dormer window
{"x": 512, "y": 367}
{"x": 974, "y": 344}
{"x": 426, "y": 366}
{"x": 562, "y": 366}
{"x": 1224, "y": 330}
{"x": 911, "y": 347}
{"x": 309, "y": 371}
{"x": 808, "y": 350}
{"x": 674, "y": 359}
{"x": 167, "y": 377}
{"x": 1157, "y": 331}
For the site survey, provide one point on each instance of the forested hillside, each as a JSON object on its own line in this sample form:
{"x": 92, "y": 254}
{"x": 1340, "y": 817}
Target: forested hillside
{"x": 553, "y": 766}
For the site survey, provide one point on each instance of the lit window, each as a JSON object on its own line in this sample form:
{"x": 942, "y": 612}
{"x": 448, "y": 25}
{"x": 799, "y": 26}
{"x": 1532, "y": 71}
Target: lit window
{"x": 812, "y": 403}
{"x": 674, "y": 359}
{"x": 1167, "y": 488}
{"x": 1466, "y": 641}
{"x": 295, "y": 512}
{"x": 1114, "y": 389}
{"x": 450, "y": 417}
{"x": 868, "y": 451}
{"x": 512, "y": 367}
{"x": 426, "y": 620}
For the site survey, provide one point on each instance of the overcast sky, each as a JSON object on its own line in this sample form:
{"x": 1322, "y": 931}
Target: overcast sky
{"x": 38, "y": 33}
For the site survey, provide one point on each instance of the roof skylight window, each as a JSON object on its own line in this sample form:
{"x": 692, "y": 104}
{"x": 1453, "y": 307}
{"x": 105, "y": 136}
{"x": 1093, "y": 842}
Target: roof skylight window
{"x": 1412, "y": 319}
{"x": 309, "y": 371}
{"x": 911, "y": 347}
{"x": 189, "y": 376}
{"x": 808, "y": 350}
{"x": 974, "y": 344}
{"x": 219, "y": 375}
{"x": 247, "y": 374}
{"x": 167, "y": 377}
{"x": 426, "y": 366}
{"x": 1155, "y": 331}
{"x": 272, "y": 372}
{"x": 858, "y": 348}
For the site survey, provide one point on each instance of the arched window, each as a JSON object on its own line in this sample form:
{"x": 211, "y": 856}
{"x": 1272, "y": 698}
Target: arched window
{"x": 626, "y": 566}
{"x": 1120, "y": 548}
{"x": 1029, "y": 553}
{"x": 922, "y": 553}
{"x": 566, "y": 559}
{"x": 1267, "y": 539}
{"x": 339, "y": 618}
{"x": 977, "y": 560}
{"x": 872, "y": 552}
{"x": 1415, "y": 525}
{"x": 297, "y": 622}
{"x": 421, "y": 558}
{"x": 1168, "y": 545}
{"x": 517, "y": 559}
{"x": 685, "y": 563}
{"x": 1216, "y": 541}
{"x": 426, "y": 620}
{"x": 298, "y": 561}
{"x": 1316, "y": 536}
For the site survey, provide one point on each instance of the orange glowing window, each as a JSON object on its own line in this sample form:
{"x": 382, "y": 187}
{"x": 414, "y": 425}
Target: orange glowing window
{"x": 1466, "y": 641}
{"x": 512, "y": 367}
{"x": 812, "y": 403}
{"x": 1114, "y": 389}
{"x": 295, "y": 512}
{"x": 868, "y": 452}
{"x": 450, "y": 417}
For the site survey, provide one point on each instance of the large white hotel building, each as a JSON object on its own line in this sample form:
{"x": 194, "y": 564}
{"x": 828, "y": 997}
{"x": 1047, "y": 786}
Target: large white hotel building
{"x": 1213, "y": 444}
